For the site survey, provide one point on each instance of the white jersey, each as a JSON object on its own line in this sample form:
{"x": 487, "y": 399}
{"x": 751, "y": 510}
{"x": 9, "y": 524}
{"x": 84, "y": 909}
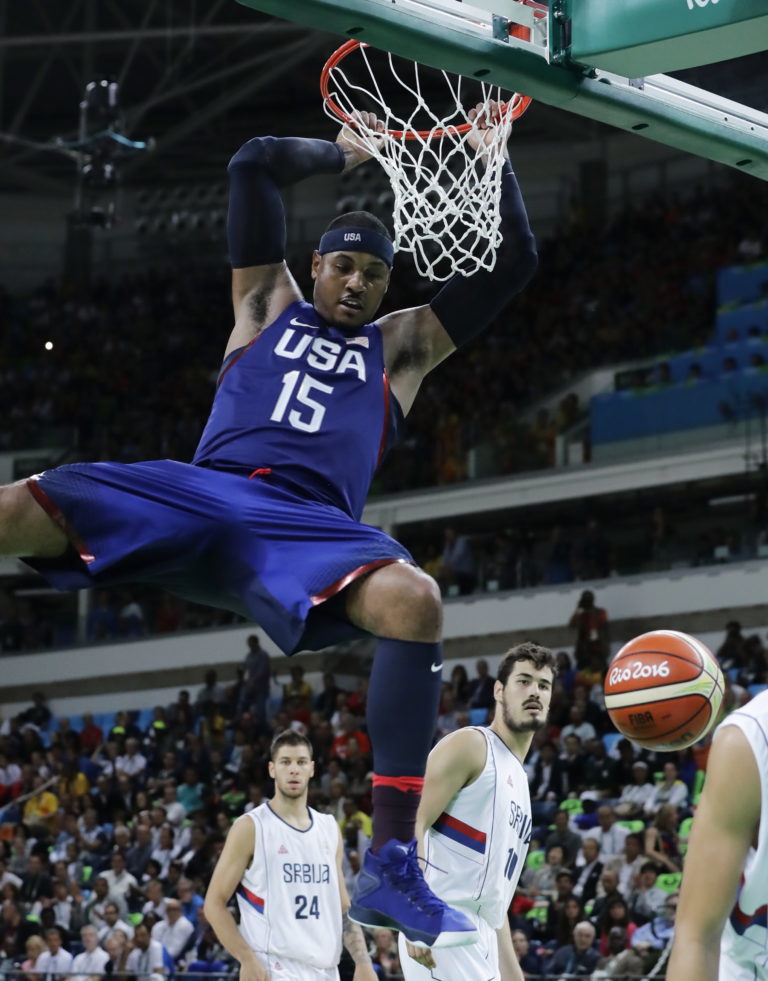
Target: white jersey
{"x": 479, "y": 843}
{"x": 744, "y": 945}
{"x": 289, "y": 898}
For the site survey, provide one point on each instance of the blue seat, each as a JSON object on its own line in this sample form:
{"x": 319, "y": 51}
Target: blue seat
{"x": 144, "y": 718}
{"x": 478, "y": 717}
{"x": 756, "y": 689}
{"x": 610, "y": 739}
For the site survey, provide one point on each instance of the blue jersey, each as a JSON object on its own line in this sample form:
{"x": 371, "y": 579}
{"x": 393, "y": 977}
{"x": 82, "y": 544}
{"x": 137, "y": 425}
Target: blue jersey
{"x": 308, "y": 402}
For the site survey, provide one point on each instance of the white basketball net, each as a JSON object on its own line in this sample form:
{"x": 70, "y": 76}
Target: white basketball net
{"x": 446, "y": 207}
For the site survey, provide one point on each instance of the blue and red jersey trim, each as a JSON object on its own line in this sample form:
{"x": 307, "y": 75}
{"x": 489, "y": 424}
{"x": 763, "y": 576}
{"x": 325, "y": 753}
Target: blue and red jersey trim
{"x": 741, "y": 921}
{"x": 463, "y": 833}
{"x": 254, "y": 901}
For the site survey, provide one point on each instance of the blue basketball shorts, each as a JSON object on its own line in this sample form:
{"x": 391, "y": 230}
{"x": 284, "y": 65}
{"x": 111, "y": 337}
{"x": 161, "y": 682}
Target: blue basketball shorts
{"x": 212, "y": 537}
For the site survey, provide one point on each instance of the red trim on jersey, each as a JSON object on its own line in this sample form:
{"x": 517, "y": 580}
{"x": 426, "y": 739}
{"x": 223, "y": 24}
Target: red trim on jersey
{"x": 361, "y": 570}
{"x": 385, "y": 427}
{"x": 51, "y": 508}
{"x": 260, "y": 472}
{"x": 408, "y": 785}
{"x": 251, "y": 898}
{"x": 465, "y": 829}
{"x": 237, "y": 357}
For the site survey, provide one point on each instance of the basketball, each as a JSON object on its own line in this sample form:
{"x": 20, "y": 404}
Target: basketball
{"x": 663, "y": 690}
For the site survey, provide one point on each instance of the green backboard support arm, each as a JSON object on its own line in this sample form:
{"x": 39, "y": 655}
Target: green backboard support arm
{"x": 642, "y": 37}
{"x": 658, "y": 108}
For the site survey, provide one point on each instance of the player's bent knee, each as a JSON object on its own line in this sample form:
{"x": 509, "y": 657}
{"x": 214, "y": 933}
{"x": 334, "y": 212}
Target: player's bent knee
{"x": 418, "y": 601}
{"x": 25, "y": 528}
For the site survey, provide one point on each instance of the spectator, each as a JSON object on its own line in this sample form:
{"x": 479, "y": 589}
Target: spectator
{"x": 210, "y": 692}
{"x": 635, "y": 795}
{"x": 591, "y": 625}
{"x": 190, "y": 792}
{"x": 191, "y": 902}
{"x": 384, "y": 953}
{"x": 671, "y": 790}
{"x": 541, "y": 882}
{"x": 646, "y": 898}
{"x": 577, "y": 725}
{"x": 530, "y": 962}
{"x": 460, "y": 686}
{"x": 131, "y": 617}
{"x": 615, "y": 963}
{"x": 117, "y": 950}
{"x": 36, "y": 883}
{"x": 573, "y": 761}
{"x": 40, "y": 809}
{"x": 615, "y": 913}
{"x": 630, "y": 862}
{"x": 349, "y": 730}
{"x": 257, "y": 673}
{"x": 558, "y": 564}
{"x": 609, "y": 835}
{"x": 155, "y": 904}
{"x": 174, "y": 932}
{"x": 481, "y": 687}
{"x": 140, "y": 852}
{"x": 132, "y": 763}
{"x": 579, "y": 958}
{"x": 33, "y": 948}
{"x": 102, "y": 618}
{"x": 661, "y": 841}
{"x": 39, "y": 714}
{"x": 93, "y": 958}
{"x": 120, "y": 882}
{"x": 607, "y": 891}
{"x": 95, "y": 905}
{"x": 14, "y": 929}
{"x": 458, "y": 564}
{"x": 146, "y": 958}
{"x": 298, "y": 689}
{"x": 562, "y": 835}
{"x": 651, "y": 938}
{"x": 353, "y": 815}
{"x": 56, "y": 960}
{"x": 589, "y": 876}
{"x": 548, "y": 783}
{"x": 113, "y": 923}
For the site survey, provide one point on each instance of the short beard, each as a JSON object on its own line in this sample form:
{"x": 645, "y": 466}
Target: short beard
{"x": 533, "y": 725}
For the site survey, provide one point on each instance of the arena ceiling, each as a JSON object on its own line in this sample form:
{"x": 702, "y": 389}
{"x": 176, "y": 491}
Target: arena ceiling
{"x": 199, "y": 77}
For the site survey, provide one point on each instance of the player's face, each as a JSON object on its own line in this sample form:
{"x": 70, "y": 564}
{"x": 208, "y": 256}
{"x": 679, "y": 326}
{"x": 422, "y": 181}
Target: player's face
{"x": 349, "y": 287}
{"x": 292, "y": 769}
{"x": 524, "y": 700}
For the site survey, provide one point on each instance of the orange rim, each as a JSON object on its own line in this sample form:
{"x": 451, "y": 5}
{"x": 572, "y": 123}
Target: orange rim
{"x": 519, "y": 103}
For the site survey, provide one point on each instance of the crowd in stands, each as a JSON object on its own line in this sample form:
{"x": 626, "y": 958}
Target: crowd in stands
{"x": 108, "y": 838}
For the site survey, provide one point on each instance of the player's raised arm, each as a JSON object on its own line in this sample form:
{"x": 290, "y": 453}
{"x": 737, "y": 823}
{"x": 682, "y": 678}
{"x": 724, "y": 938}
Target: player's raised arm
{"x": 422, "y": 337}
{"x": 262, "y": 285}
{"x": 233, "y": 861}
{"x": 725, "y": 823}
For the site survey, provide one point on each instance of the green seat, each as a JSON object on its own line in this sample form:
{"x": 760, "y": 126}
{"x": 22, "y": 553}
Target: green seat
{"x": 87, "y": 873}
{"x": 535, "y": 859}
{"x": 537, "y": 913}
{"x": 135, "y": 918}
{"x": 669, "y": 881}
{"x": 698, "y": 786}
{"x": 635, "y": 826}
{"x": 684, "y": 833}
{"x": 572, "y": 805}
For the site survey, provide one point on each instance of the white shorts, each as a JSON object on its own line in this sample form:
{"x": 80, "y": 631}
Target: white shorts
{"x": 285, "y": 969}
{"x": 476, "y": 962}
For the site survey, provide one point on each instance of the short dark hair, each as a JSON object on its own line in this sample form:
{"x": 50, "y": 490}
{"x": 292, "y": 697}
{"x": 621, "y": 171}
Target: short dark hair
{"x": 289, "y": 737}
{"x": 540, "y": 657}
{"x": 359, "y": 219}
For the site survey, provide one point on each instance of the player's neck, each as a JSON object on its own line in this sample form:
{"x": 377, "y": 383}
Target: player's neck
{"x": 293, "y": 811}
{"x": 517, "y": 742}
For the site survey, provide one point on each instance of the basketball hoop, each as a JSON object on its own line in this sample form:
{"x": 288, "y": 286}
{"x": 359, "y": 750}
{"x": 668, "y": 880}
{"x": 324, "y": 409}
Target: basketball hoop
{"x": 446, "y": 193}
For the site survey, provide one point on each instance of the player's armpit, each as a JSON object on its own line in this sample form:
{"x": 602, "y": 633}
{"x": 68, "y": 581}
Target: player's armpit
{"x": 454, "y": 763}
{"x": 725, "y": 823}
{"x": 414, "y": 343}
{"x": 259, "y": 295}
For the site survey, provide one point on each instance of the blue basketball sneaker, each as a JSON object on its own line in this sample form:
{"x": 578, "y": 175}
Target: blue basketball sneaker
{"x": 391, "y": 892}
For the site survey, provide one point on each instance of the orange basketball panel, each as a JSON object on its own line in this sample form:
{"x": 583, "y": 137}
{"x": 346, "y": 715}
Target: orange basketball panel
{"x": 672, "y": 723}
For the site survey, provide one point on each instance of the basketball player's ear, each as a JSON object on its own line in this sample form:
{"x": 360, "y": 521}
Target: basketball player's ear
{"x": 271, "y": 768}
{"x": 316, "y": 257}
{"x": 498, "y": 692}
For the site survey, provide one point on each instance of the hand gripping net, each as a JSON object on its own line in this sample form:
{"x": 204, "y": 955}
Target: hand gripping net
{"x": 446, "y": 193}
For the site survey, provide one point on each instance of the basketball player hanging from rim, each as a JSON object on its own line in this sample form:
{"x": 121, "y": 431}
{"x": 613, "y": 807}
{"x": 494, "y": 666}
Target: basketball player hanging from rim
{"x": 266, "y": 520}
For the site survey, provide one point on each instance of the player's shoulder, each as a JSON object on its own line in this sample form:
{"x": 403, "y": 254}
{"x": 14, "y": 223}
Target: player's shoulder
{"x": 468, "y": 745}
